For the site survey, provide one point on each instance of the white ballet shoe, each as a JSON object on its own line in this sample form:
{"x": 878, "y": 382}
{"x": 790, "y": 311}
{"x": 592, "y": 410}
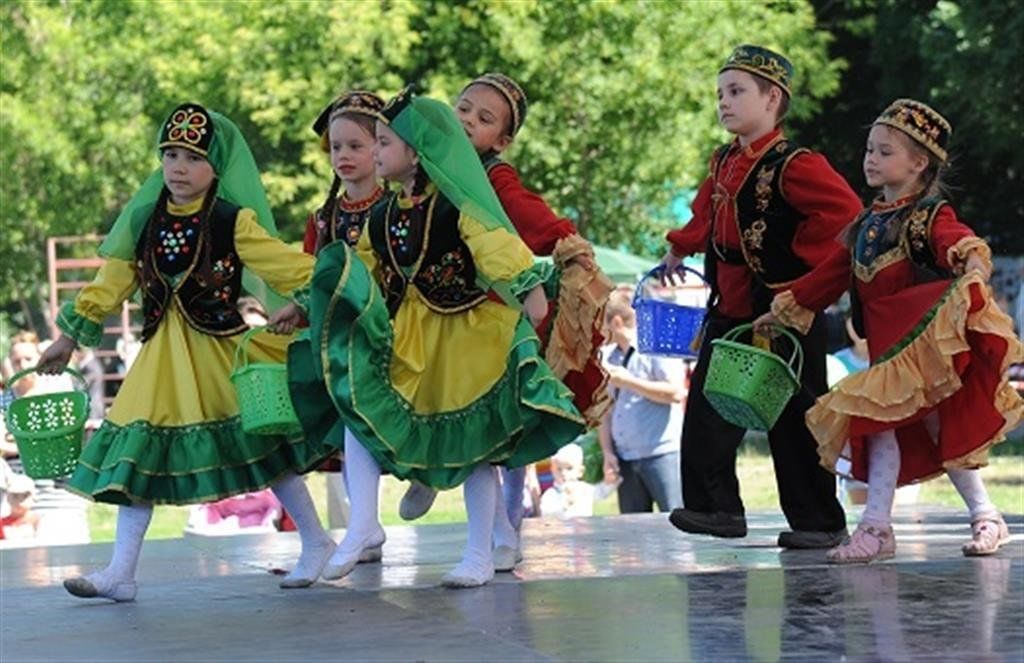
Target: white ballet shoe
{"x": 310, "y": 566}
{"x": 345, "y": 558}
{"x": 95, "y": 586}
{"x": 506, "y": 558}
{"x": 467, "y": 575}
{"x": 417, "y": 501}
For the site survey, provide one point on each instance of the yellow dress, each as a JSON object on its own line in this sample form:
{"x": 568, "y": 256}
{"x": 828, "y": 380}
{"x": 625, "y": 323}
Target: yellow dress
{"x": 172, "y": 435}
{"x": 430, "y": 392}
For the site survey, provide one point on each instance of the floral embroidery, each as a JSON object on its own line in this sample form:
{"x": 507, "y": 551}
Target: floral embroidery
{"x": 187, "y": 125}
{"x": 444, "y": 275}
{"x": 753, "y": 236}
{"x": 918, "y": 229}
{"x": 763, "y": 188}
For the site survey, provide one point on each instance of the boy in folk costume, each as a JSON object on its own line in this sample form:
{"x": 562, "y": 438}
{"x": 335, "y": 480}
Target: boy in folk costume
{"x": 766, "y": 214}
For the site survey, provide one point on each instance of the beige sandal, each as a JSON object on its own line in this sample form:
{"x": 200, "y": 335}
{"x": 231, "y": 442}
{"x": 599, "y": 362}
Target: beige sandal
{"x": 867, "y": 544}
{"x": 988, "y": 533}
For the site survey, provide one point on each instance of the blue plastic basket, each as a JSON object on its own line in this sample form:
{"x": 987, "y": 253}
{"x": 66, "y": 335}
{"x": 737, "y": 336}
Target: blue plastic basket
{"x": 666, "y": 328}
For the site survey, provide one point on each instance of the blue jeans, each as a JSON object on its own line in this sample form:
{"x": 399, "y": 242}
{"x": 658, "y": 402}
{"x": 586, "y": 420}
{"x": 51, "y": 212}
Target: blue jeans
{"x": 647, "y": 481}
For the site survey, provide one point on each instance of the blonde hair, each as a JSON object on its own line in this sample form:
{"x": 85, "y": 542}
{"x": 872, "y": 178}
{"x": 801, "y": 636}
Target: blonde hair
{"x": 620, "y": 303}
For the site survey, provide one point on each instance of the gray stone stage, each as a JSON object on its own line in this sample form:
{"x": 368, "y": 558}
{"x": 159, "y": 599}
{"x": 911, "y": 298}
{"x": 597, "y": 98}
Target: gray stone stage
{"x": 615, "y": 588}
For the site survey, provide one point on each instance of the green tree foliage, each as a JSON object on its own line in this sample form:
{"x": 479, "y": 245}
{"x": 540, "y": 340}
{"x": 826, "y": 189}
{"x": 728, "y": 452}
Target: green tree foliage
{"x": 622, "y": 114}
{"x": 964, "y": 58}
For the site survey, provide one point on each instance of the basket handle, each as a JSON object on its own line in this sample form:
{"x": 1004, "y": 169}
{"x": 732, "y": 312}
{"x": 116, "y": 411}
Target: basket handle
{"x": 798, "y": 351}
{"x": 658, "y": 269}
{"x": 25, "y": 371}
{"x": 241, "y": 355}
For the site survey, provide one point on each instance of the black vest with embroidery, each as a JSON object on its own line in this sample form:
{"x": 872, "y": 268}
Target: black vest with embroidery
{"x": 209, "y": 306}
{"x": 422, "y": 245}
{"x": 767, "y": 222}
{"x": 344, "y": 224}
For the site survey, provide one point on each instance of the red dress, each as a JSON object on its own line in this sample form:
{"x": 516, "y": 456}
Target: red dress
{"x": 571, "y": 334}
{"x": 940, "y": 346}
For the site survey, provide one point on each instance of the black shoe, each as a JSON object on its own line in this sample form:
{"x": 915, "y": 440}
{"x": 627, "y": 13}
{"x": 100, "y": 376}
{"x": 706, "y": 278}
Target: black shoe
{"x": 726, "y": 525}
{"x": 807, "y": 540}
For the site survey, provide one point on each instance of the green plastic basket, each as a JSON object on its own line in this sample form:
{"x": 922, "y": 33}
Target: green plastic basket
{"x": 750, "y": 387}
{"x": 48, "y": 428}
{"x": 264, "y": 403}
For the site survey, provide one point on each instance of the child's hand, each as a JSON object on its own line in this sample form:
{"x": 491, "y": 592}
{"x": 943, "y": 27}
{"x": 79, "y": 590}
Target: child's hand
{"x": 765, "y": 325}
{"x": 56, "y": 357}
{"x": 670, "y": 263}
{"x": 616, "y": 375}
{"x": 285, "y": 319}
{"x": 977, "y": 263}
{"x": 536, "y": 305}
{"x": 611, "y": 469}
{"x": 585, "y": 261}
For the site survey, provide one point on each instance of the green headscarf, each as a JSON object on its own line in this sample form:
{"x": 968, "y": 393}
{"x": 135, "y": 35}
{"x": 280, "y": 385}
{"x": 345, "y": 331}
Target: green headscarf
{"x": 431, "y": 128}
{"x": 238, "y": 182}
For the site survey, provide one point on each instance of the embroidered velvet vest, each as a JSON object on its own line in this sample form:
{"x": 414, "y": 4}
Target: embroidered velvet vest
{"x": 346, "y": 222}
{"x": 175, "y": 263}
{"x": 422, "y": 245}
{"x": 767, "y": 223}
{"x": 876, "y": 247}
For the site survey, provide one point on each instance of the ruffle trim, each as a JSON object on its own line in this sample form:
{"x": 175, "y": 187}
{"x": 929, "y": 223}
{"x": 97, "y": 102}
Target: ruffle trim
{"x": 570, "y": 247}
{"x": 541, "y": 273}
{"x": 76, "y": 326}
{"x": 958, "y": 253}
{"x": 920, "y": 376}
{"x": 301, "y": 298}
{"x": 790, "y": 313}
{"x": 582, "y": 296}
{"x": 141, "y": 462}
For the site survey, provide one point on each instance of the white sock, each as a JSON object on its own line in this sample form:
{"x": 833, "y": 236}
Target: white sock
{"x": 132, "y": 523}
{"x": 504, "y": 533}
{"x": 291, "y": 491}
{"x": 972, "y": 489}
{"x": 362, "y": 474}
{"x": 481, "y": 494}
{"x": 883, "y": 472}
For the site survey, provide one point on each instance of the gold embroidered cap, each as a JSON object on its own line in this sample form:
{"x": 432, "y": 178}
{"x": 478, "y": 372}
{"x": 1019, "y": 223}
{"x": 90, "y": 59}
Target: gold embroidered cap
{"x": 513, "y": 93}
{"x": 189, "y": 126}
{"x": 356, "y": 101}
{"x": 762, "y": 62}
{"x": 921, "y": 122}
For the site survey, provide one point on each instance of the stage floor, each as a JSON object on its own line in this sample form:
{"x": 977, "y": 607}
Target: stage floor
{"x": 620, "y": 588}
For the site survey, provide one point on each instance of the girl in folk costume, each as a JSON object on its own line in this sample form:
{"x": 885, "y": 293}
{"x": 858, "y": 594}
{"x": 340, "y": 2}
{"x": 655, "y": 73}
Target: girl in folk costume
{"x": 346, "y": 132}
{"x": 492, "y": 109}
{"x": 172, "y": 435}
{"x": 456, "y": 384}
{"x": 939, "y": 345}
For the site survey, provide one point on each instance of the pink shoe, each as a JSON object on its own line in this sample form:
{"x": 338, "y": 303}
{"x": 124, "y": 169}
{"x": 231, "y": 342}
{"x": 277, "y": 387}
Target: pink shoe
{"x": 988, "y": 533}
{"x": 867, "y": 544}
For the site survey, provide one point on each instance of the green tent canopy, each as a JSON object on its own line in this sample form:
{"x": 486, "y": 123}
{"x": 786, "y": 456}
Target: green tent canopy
{"x": 625, "y": 267}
